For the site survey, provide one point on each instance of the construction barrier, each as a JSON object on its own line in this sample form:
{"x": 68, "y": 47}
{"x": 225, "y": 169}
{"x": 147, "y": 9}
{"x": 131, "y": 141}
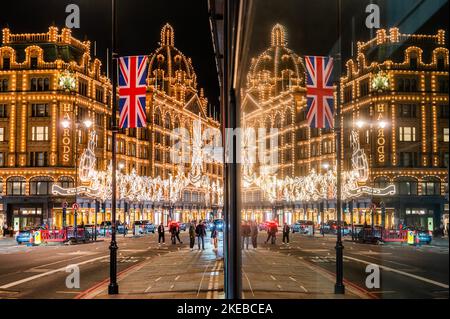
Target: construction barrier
{"x": 400, "y": 236}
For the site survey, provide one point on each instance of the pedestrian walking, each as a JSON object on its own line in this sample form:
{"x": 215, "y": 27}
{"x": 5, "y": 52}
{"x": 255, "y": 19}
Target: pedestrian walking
{"x": 161, "y": 234}
{"x": 5, "y": 229}
{"x": 272, "y": 230}
{"x": 200, "y": 232}
{"x": 245, "y": 233}
{"x": 214, "y": 237}
{"x": 177, "y": 233}
{"x": 173, "y": 233}
{"x": 286, "y": 231}
{"x": 192, "y": 226}
{"x": 254, "y": 234}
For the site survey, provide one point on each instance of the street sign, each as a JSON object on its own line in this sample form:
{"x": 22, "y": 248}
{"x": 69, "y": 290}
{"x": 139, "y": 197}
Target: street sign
{"x": 75, "y": 206}
{"x": 411, "y": 237}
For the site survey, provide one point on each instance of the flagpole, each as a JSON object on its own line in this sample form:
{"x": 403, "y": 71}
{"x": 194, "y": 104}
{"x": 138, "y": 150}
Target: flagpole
{"x": 339, "y": 287}
{"x": 113, "y": 288}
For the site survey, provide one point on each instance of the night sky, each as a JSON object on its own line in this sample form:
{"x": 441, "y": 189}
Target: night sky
{"x": 311, "y": 25}
{"x": 139, "y": 25}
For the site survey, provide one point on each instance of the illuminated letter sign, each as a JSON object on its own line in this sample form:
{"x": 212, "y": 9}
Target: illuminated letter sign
{"x": 381, "y": 139}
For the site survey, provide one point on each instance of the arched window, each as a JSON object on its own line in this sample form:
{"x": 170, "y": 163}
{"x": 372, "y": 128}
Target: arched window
{"x": 278, "y": 121}
{"x": 66, "y": 182}
{"x": 41, "y": 186}
{"x": 15, "y": 186}
{"x": 406, "y": 186}
{"x": 1, "y": 186}
{"x": 157, "y": 118}
{"x": 167, "y": 122}
{"x": 431, "y": 186}
{"x": 177, "y": 123}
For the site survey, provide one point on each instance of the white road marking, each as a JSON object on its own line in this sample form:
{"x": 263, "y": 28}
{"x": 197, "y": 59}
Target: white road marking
{"x": 177, "y": 277}
{"x": 273, "y": 278}
{"x": 158, "y": 279}
{"x": 148, "y": 289}
{"x": 400, "y": 272}
{"x": 18, "y": 282}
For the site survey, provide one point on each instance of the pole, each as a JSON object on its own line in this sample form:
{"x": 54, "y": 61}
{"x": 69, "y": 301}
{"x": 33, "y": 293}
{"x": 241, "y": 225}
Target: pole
{"x": 113, "y": 288}
{"x": 97, "y": 206}
{"x": 339, "y": 287}
{"x": 75, "y": 213}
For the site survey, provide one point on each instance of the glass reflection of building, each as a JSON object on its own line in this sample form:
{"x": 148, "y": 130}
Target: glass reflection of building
{"x": 35, "y": 153}
{"x": 275, "y": 97}
{"x": 411, "y": 150}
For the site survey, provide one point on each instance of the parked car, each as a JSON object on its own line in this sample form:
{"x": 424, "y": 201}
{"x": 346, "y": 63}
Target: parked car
{"x": 369, "y": 235}
{"x": 144, "y": 227}
{"x": 302, "y": 226}
{"x": 24, "y": 236}
{"x": 331, "y": 227}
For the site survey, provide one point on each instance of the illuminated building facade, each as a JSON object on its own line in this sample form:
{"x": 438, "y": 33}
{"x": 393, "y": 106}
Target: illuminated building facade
{"x": 275, "y": 98}
{"x": 410, "y": 148}
{"x": 174, "y": 102}
{"x": 36, "y": 151}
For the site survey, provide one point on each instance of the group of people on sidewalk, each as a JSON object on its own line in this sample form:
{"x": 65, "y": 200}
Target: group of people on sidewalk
{"x": 249, "y": 230}
{"x": 197, "y": 230}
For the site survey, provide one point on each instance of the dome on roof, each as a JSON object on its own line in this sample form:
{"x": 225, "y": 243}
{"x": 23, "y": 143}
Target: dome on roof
{"x": 277, "y": 64}
{"x": 170, "y": 64}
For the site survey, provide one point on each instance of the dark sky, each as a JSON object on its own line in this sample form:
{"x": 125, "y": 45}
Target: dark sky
{"x": 139, "y": 25}
{"x": 311, "y": 25}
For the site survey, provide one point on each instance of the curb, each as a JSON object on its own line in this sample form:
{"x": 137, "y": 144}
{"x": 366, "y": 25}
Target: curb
{"x": 98, "y": 288}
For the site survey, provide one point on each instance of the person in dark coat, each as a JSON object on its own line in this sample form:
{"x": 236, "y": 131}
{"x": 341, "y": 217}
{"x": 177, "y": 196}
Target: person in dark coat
{"x": 245, "y": 233}
{"x": 173, "y": 233}
{"x": 192, "y": 227}
{"x": 161, "y": 234}
{"x": 200, "y": 232}
{"x": 254, "y": 234}
{"x": 286, "y": 231}
{"x": 177, "y": 234}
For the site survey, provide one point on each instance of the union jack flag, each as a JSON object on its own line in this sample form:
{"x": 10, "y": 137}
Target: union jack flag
{"x": 319, "y": 87}
{"x": 132, "y": 91}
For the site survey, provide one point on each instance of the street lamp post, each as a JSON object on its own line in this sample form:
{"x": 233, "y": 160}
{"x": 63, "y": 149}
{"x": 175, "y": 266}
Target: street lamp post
{"x": 113, "y": 288}
{"x": 339, "y": 287}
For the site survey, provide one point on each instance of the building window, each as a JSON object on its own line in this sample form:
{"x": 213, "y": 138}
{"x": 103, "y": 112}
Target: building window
{"x": 381, "y": 182}
{"x": 34, "y": 62}
{"x": 3, "y": 111}
{"x": 39, "y": 110}
{"x": 431, "y": 186}
{"x": 364, "y": 88}
{"x": 82, "y": 88}
{"x": 347, "y": 94}
{"x": 2, "y": 159}
{"x": 3, "y": 85}
{"x": 6, "y": 63}
{"x": 407, "y": 134}
{"x": 2, "y": 134}
{"x": 407, "y": 110}
{"x": 66, "y": 182}
{"x": 40, "y": 84}
{"x": 15, "y": 186}
{"x": 408, "y": 159}
{"x": 444, "y": 111}
{"x": 406, "y": 186}
{"x": 38, "y": 159}
{"x": 443, "y": 85}
{"x": 39, "y": 133}
{"x": 445, "y": 160}
{"x": 41, "y": 186}
{"x": 407, "y": 85}
{"x": 99, "y": 94}
{"x": 446, "y": 135}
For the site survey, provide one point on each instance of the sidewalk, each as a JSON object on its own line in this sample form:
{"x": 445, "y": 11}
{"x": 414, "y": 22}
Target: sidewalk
{"x": 180, "y": 274}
